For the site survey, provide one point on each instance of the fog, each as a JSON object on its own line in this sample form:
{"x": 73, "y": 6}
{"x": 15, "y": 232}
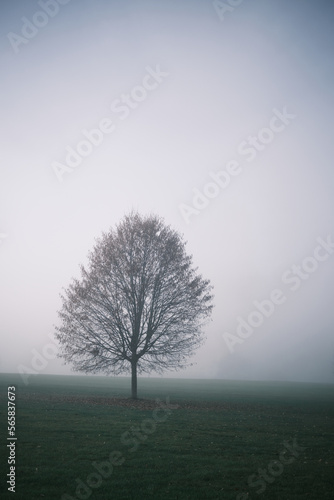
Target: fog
{"x": 216, "y": 116}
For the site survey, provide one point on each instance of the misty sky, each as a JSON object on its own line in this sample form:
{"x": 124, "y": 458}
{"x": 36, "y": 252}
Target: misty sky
{"x": 219, "y": 120}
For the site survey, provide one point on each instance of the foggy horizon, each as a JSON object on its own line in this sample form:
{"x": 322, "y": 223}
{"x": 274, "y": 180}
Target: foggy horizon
{"x": 218, "y": 121}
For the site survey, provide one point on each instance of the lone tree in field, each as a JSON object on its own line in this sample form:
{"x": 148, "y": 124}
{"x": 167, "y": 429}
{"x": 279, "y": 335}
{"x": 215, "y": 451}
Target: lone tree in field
{"x": 139, "y": 306}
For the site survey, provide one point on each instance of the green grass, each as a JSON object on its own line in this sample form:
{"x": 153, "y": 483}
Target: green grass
{"x": 221, "y": 433}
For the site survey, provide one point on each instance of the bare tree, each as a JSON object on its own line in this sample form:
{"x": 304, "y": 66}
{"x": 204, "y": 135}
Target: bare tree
{"x": 140, "y": 306}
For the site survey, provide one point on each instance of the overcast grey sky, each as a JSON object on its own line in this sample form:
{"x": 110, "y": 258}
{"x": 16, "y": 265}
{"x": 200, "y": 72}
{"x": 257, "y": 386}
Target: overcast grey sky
{"x": 216, "y": 116}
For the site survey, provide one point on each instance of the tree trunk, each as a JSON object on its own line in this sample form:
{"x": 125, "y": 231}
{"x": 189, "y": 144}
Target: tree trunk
{"x": 134, "y": 379}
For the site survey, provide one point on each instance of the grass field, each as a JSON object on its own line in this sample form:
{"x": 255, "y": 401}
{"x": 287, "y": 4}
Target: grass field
{"x": 80, "y": 437}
